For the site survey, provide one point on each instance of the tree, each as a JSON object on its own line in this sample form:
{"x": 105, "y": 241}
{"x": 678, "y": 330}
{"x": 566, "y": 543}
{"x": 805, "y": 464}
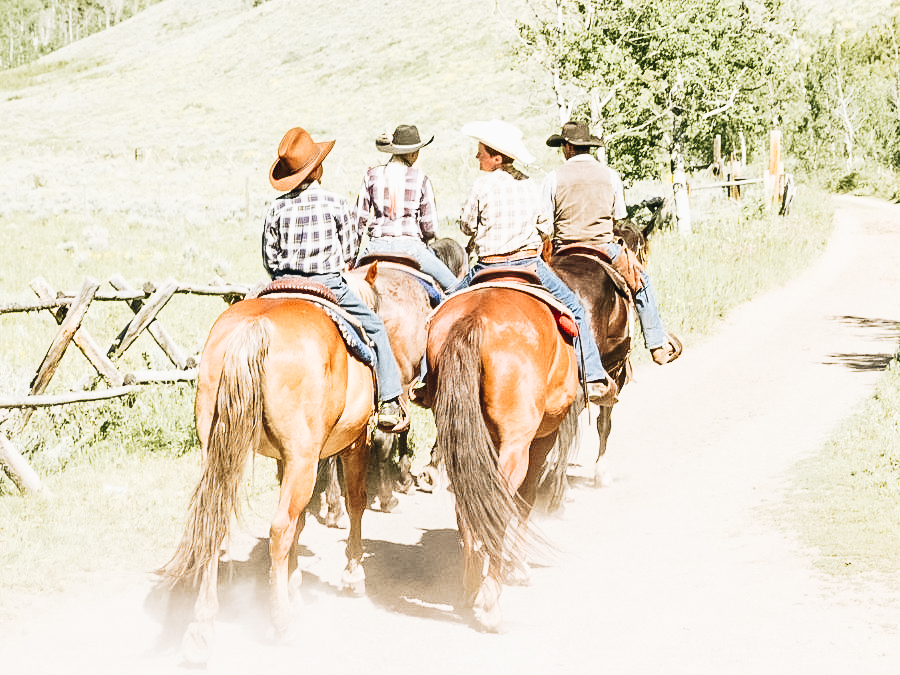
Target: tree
{"x": 643, "y": 72}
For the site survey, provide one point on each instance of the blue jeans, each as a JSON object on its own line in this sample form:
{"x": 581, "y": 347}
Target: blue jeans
{"x": 645, "y": 304}
{"x": 587, "y": 345}
{"x": 386, "y": 370}
{"x": 428, "y": 261}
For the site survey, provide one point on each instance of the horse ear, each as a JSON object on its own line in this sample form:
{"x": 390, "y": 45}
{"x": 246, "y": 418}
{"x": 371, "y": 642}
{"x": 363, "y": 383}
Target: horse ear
{"x": 372, "y": 274}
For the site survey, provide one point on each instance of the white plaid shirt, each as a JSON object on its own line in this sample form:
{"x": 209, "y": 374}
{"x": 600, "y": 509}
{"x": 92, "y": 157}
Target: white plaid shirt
{"x": 308, "y": 231}
{"x": 413, "y": 213}
{"x": 502, "y": 214}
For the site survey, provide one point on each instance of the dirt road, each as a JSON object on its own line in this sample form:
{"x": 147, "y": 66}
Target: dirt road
{"x": 681, "y": 566}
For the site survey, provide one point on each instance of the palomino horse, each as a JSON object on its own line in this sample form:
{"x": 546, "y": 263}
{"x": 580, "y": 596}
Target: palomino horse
{"x": 501, "y": 382}
{"x": 404, "y": 305}
{"x": 609, "y": 309}
{"x": 275, "y": 377}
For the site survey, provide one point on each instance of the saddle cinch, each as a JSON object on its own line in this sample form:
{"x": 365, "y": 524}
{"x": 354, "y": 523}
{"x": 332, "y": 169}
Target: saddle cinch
{"x": 356, "y": 339}
{"x": 526, "y": 280}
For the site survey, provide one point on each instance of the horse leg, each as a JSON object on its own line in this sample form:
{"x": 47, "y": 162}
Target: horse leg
{"x": 198, "y": 638}
{"x": 382, "y": 448}
{"x": 602, "y": 475}
{"x": 406, "y": 482}
{"x": 473, "y": 565}
{"x": 486, "y": 606}
{"x": 355, "y": 461}
{"x": 428, "y": 479}
{"x": 296, "y": 488}
{"x": 335, "y": 513}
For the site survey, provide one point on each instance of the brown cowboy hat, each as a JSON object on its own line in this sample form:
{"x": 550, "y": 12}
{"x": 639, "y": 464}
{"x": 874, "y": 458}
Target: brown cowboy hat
{"x": 576, "y": 133}
{"x": 298, "y": 156}
{"x": 405, "y": 140}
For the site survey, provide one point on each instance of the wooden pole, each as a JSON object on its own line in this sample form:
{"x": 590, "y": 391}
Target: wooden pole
{"x": 48, "y": 400}
{"x": 82, "y": 338}
{"x": 18, "y": 468}
{"x": 155, "y": 328}
{"x": 142, "y": 319}
{"x": 67, "y": 330}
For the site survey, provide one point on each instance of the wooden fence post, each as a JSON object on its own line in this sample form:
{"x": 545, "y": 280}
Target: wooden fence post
{"x": 154, "y": 327}
{"x": 143, "y": 318}
{"x": 81, "y": 338}
{"x": 18, "y": 469}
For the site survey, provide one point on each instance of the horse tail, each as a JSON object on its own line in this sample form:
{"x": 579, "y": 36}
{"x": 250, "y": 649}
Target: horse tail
{"x": 235, "y": 432}
{"x": 554, "y": 482}
{"x": 485, "y": 505}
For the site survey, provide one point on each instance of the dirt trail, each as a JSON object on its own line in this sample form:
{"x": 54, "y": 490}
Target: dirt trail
{"x": 681, "y": 566}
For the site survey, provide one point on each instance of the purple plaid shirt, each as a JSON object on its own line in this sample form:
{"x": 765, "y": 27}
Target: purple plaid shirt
{"x": 412, "y": 213}
{"x": 502, "y": 214}
{"x": 308, "y": 231}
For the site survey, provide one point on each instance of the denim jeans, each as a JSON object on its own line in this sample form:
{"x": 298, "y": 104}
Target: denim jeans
{"x": 645, "y": 304}
{"x": 587, "y": 345}
{"x": 386, "y": 370}
{"x": 428, "y": 261}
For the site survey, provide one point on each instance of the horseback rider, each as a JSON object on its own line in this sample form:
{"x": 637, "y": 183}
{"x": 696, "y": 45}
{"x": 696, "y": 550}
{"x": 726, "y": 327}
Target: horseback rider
{"x": 308, "y": 232}
{"x": 581, "y": 201}
{"x": 501, "y": 216}
{"x": 396, "y": 205}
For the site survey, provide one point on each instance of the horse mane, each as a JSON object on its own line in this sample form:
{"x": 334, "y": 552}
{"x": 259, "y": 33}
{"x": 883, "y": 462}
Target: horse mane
{"x": 451, "y": 253}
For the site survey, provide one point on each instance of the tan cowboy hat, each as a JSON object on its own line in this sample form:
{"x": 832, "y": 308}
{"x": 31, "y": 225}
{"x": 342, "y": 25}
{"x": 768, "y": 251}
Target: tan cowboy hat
{"x": 404, "y": 141}
{"x": 576, "y": 133}
{"x": 298, "y": 156}
{"x": 501, "y": 136}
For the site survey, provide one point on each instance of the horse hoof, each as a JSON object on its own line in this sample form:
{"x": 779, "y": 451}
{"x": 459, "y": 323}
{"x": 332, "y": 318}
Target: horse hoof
{"x": 388, "y": 505}
{"x": 354, "y": 581}
{"x": 196, "y": 644}
{"x": 427, "y": 480}
{"x": 486, "y": 607}
{"x": 602, "y": 475}
{"x": 337, "y": 521}
{"x": 518, "y": 575}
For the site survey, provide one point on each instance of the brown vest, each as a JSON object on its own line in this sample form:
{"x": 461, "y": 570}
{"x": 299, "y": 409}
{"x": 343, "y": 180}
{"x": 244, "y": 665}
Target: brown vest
{"x": 584, "y": 203}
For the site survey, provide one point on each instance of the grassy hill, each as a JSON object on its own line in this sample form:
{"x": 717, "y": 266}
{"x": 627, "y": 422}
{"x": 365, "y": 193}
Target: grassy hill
{"x": 175, "y": 115}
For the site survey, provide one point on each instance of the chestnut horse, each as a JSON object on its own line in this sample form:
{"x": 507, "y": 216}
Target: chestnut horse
{"x": 501, "y": 382}
{"x": 275, "y": 377}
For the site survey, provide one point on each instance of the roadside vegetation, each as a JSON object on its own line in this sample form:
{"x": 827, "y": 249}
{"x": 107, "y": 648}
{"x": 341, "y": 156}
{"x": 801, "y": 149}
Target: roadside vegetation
{"x": 121, "y": 471}
{"x": 846, "y": 500}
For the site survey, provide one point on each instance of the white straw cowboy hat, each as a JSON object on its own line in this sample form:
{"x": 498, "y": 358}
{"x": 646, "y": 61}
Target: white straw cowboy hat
{"x": 405, "y": 140}
{"x": 501, "y": 136}
{"x": 298, "y": 156}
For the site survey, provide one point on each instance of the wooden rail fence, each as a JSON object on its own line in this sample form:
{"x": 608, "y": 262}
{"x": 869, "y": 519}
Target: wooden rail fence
{"x": 69, "y": 310}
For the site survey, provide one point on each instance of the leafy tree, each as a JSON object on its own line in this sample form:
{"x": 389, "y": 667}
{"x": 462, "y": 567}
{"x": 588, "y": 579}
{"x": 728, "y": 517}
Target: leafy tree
{"x": 650, "y": 73}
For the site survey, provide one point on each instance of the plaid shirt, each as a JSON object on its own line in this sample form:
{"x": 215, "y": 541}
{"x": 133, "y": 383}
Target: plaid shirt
{"x": 502, "y": 214}
{"x": 413, "y": 213}
{"x": 308, "y": 231}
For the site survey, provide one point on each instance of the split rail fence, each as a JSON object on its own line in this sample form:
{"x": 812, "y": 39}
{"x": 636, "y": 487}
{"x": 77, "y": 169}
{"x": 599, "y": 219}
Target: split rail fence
{"x": 69, "y": 310}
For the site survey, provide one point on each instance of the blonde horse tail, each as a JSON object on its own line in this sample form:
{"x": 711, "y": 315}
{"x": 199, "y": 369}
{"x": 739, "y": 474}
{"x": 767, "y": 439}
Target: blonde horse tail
{"x": 485, "y": 504}
{"x": 235, "y": 431}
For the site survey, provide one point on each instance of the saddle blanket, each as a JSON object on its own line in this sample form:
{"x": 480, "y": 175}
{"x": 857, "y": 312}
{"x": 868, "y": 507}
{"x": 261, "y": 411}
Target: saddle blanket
{"x": 565, "y": 320}
{"x": 350, "y": 329}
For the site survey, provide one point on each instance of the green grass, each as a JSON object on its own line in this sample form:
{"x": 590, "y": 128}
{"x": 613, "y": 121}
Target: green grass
{"x": 734, "y": 253}
{"x": 846, "y": 499}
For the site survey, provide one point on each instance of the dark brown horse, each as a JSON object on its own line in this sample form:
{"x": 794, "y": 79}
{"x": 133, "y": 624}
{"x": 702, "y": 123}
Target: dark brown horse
{"x": 501, "y": 382}
{"x": 609, "y": 309}
{"x": 275, "y": 378}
